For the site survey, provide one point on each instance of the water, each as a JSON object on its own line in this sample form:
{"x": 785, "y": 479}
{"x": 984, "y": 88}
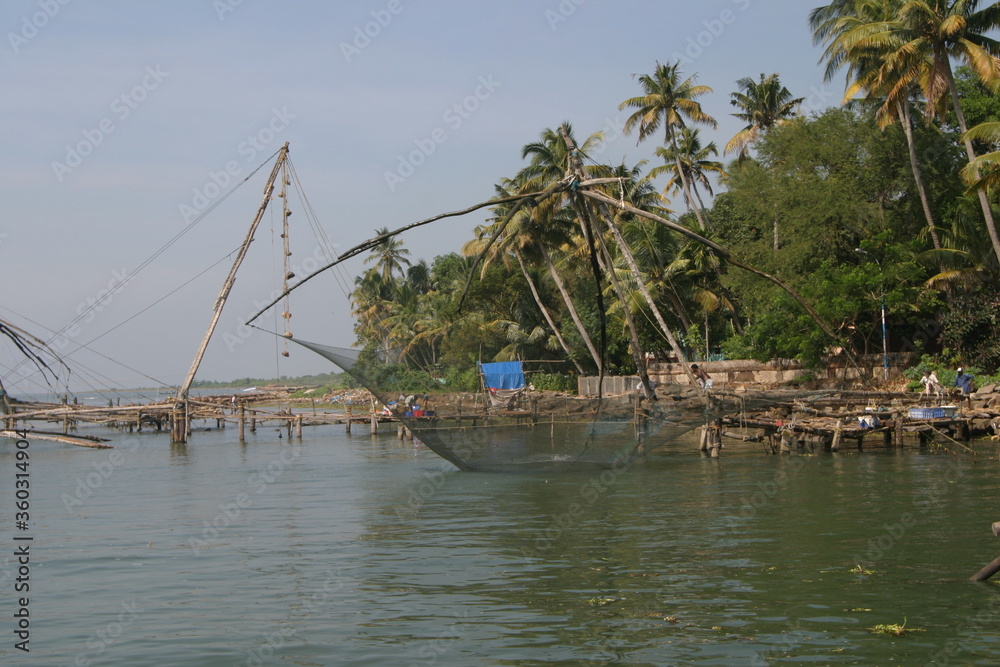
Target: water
{"x": 354, "y": 550}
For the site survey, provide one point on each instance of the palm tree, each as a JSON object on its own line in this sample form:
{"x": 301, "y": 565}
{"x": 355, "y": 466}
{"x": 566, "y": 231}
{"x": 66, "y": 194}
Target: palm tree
{"x": 764, "y": 104}
{"x": 516, "y": 241}
{"x": 984, "y": 171}
{"x": 547, "y": 224}
{"x": 370, "y": 301}
{"x": 666, "y": 102}
{"x": 389, "y": 255}
{"x": 925, "y": 36}
{"x": 695, "y": 166}
{"x": 845, "y": 27}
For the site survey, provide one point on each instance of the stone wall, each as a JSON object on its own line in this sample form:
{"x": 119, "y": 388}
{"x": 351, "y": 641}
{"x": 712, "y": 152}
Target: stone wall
{"x": 744, "y": 372}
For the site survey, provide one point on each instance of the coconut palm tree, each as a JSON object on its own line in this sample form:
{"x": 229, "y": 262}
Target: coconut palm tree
{"x": 845, "y": 27}
{"x": 926, "y": 36}
{"x": 516, "y": 242}
{"x": 764, "y": 104}
{"x": 389, "y": 255}
{"x": 695, "y": 166}
{"x": 667, "y": 100}
{"x": 984, "y": 171}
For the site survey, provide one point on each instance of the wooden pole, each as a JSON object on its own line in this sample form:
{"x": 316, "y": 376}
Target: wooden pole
{"x": 994, "y": 566}
{"x": 243, "y": 422}
{"x": 347, "y": 424}
{"x": 838, "y": 434}
{"x": 298, "y": 426}
{"x": 253, "y": 421}
{"x": 227, "y": 286}
{"x": 786, "y": 442}
{"x": 703, "y": 438}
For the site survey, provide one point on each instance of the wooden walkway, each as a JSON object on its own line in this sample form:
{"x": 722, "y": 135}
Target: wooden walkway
{"x": 160, "y": 416}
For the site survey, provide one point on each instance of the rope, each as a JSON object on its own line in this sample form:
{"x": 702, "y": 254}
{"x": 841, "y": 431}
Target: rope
{"x": 111, "y": 291}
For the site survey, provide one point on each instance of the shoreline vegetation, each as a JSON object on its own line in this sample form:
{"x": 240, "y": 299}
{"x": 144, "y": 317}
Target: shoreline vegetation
{"x": 853, "y": 231}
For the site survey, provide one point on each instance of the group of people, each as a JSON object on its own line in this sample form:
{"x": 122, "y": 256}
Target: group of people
{"x": 413, "y": 402}
{"x": 932, "y": 386}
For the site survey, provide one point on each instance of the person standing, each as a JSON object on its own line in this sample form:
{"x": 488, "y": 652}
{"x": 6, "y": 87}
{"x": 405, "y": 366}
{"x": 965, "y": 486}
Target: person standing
{"x": 929, "y": 380}
{"x": 964, "y": 382}
{"x": 934, "y": 385}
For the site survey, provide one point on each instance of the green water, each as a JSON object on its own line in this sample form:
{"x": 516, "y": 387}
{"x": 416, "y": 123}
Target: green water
{"x": 353, "y": 550}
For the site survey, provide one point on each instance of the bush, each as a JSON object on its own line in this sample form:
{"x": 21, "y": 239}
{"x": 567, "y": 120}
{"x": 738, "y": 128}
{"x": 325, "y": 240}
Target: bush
{"x": 457, "y": 379}
{"x": 553, "y": 382}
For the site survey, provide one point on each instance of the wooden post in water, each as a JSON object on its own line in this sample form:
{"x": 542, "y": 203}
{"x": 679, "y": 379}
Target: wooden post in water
{"x": 179, "y": 422}
{"x": 703, "y": 438}
{"x": 347, "y": 423}
{"x": 374, "y": 422}
{"x": 994, "y": 566}
{"x": 716, "y": 440}
{"x": 289, "y": 420}
{"x": 899, "y": 430}
{"x": 298, "y": 426}
{"x": 243, "y": 422}
{"x": 253, "y": 421}
{"x": 838, "y": 434}
{"x": 786, "y": 442}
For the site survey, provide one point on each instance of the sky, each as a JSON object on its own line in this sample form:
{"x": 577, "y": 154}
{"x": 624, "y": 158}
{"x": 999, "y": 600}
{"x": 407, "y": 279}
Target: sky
{"x": 124, "y": 122}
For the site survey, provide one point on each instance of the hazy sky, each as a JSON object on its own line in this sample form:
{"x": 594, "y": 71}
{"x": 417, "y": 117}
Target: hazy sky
{"x": 124, "y": 120}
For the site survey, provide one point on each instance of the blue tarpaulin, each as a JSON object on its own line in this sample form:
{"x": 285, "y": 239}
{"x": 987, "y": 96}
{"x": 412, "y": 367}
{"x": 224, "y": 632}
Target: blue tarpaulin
{"x": 503, "y": 375}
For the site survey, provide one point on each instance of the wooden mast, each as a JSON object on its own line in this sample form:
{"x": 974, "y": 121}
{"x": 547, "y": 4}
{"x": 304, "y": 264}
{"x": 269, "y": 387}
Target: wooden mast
{"x": 179, "y": 431}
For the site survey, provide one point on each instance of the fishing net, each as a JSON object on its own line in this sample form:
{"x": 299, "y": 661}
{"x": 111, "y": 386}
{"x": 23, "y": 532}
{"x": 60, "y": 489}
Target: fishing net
{"x": 544, "y": 432}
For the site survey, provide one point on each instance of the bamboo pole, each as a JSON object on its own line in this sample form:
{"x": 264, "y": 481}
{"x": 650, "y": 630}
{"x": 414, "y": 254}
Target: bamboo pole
{"x": 227, "y": 285}
{"x": 68, "y": 440}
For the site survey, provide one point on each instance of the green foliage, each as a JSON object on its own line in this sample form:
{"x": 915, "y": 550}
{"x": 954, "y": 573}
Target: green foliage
{"x": 828, "y": 204}
{"x": 554, "y": 382}
{"x": 459, "y": 379}
{"x": 971, "y": 327}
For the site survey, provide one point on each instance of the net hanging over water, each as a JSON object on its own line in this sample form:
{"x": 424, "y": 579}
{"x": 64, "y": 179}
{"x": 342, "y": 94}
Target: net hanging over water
{"x": 543, "y": 432}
